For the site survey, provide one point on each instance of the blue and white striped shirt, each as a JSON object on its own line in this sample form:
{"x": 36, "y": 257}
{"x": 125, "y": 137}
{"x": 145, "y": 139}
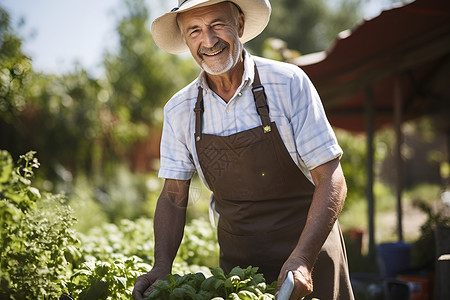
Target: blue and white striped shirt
{"x": 294, "y": 105}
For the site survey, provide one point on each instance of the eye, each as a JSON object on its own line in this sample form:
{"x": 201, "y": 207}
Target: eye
{"x": 194, "y": 33}
{"x": 218, "y": 25}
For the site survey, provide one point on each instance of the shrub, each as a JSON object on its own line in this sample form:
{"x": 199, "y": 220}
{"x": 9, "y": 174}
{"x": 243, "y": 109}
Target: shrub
{"x": 38, "y": 244}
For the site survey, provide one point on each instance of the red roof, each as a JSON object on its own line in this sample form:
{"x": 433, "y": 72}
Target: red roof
{"x": 409, "y": 45}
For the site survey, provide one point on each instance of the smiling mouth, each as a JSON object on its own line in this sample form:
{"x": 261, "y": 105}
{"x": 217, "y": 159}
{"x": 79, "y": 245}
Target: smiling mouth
{"x": 213, "y": 53}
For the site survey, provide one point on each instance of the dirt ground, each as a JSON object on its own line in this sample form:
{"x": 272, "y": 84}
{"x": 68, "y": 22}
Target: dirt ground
{"x": 386, "y": 224}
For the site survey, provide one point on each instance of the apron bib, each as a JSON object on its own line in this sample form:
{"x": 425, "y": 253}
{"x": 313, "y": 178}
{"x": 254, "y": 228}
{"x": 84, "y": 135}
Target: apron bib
{"x": 263, "y": 199}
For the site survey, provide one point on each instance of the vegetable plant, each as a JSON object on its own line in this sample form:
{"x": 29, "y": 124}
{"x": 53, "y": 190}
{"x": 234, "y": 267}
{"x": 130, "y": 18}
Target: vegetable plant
{"x": 244, "y": 284}
{"x": 37, "y": 242}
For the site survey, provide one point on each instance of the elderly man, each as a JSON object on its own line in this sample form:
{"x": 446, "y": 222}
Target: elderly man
{"x": 256, "y": 133}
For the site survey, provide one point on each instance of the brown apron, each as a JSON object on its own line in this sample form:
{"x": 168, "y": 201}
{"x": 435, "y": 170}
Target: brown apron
{"x": 263, "y": 199}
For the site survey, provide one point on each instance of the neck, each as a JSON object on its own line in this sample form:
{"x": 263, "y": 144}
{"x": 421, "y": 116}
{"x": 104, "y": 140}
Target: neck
{"x": 226, "y": 84}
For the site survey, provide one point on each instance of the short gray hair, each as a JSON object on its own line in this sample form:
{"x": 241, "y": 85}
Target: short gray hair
{"x": 235, "y": 13}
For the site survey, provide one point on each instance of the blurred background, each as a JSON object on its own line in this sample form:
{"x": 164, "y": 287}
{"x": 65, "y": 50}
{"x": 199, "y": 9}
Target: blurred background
{"x": 83, "y": 85}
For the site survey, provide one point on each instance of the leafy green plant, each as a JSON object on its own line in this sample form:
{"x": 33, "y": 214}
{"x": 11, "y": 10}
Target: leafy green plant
{"x": 424, "y": 248}
{"x": 38, "y": 244}
{"x": 96, "y": 280}
{"x": 238, "y": 284}
{"x": 135, "y": 238}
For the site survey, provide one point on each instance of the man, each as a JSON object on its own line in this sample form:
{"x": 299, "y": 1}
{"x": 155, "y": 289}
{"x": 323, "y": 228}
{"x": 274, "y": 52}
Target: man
{"x": 256, "y": 133}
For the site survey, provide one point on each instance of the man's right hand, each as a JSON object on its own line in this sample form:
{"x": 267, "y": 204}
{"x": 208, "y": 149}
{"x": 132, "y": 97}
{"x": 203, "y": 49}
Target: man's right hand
{"x": 144, "y": 283}
{"x": 169, "y": 221}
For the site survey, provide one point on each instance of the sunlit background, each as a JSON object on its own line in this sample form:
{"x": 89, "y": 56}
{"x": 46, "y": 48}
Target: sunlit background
{"x": 83, "y": 84}
{"x": 59, "y": 34}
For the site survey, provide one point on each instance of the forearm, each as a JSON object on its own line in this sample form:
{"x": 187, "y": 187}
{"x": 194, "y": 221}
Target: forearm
{"x": 169, "y": 222}
{"x": 326, "y": 205}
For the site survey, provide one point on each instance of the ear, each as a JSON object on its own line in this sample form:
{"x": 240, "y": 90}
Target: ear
{"x": 241, "y": 24}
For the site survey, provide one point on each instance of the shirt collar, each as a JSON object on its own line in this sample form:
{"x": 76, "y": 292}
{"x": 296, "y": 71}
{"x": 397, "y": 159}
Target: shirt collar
{"x": 247, "y": 77}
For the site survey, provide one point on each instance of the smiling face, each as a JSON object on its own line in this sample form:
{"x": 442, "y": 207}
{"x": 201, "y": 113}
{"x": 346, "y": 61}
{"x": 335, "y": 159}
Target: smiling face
{"x": 212, "y": 35}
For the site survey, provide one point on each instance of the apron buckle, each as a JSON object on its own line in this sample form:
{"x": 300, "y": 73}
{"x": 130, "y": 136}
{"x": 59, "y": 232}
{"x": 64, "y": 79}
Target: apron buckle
{"x": 267, "y": 129}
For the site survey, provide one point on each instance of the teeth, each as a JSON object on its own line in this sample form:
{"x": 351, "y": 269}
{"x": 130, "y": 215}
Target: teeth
{"x": 214, "y": 53}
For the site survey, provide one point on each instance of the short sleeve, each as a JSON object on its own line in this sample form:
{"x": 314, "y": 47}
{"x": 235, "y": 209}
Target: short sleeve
{"x": 176, "y": 159}
{"x": 315, "y": 139}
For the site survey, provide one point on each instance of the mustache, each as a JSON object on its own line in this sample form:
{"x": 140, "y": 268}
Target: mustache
{"x": 218, "y": 46}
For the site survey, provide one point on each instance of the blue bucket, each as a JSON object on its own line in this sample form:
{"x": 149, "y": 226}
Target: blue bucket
{"x": 394, "y": 258}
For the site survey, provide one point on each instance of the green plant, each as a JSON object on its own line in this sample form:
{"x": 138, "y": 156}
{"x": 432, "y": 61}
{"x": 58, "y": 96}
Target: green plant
{"x": 238, "y": 284}
{"x": 96, "y": 280}
{"x": 424, "y": 248}
{"x": 135, "y": 238}
{"x": 38, "y": 244}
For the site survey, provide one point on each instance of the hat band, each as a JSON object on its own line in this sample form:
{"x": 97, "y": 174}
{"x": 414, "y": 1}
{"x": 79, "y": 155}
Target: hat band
{"x": 177, "y": 8}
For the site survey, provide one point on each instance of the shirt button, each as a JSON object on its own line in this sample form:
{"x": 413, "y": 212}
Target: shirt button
{"x": 239, "y": 94}
{"x": 228, "y": 110}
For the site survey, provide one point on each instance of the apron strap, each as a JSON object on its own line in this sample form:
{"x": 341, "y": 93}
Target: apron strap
{"x": 262, "y": 108}
{"x": 260, "y": 102}
{"x": 199, "y": 109}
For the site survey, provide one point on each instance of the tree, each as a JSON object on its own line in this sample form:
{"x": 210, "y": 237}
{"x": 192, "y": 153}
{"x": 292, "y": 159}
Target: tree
{"x": 307, "y": 25}
{"x": 143, "y": 77}
{"x": 15, "y": 69}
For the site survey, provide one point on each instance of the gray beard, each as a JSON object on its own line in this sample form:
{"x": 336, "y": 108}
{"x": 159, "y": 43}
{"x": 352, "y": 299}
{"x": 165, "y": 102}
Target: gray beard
{"x": 220, "y": 69}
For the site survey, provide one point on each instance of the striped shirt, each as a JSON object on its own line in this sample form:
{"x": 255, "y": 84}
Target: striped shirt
{"x": 294, "y": 105}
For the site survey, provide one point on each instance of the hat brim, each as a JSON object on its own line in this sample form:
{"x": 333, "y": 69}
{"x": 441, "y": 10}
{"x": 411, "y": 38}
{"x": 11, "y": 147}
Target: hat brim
{"x": 167, "y": 35}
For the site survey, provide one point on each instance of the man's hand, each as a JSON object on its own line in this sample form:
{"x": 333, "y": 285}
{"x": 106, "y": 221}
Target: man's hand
{"x": 328, "y": 198}
{"x": 144, "y": 283}
{"x": 303, "y": 284}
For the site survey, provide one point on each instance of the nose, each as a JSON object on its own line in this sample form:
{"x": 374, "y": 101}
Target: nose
{"x": 210, "y": 38}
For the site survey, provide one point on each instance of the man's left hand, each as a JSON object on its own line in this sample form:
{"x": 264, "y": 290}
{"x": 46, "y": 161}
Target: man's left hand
{"x": 303, "y": 284}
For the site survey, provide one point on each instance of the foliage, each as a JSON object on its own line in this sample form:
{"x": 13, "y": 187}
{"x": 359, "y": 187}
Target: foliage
{"x": 38, "y": 244}
{"x": 424, "y": 249}
{"x": 307, "y": 25}
{"x": 80, "y": 123}
{"x": 135, "y": 238}
{"x": 238, "y": 284}
{"x": 15, "y": 68}
{"x": 353, "y": 164}
{"x": 40, "y": 249}
{"x": 141, "y": 76}
{"x": 105, "y": 280}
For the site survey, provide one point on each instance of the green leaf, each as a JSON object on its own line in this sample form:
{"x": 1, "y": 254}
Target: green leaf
{"x": 6, "y": 166}
{"x": 122, "y": 281}
{"x": 189, "y": 291}
{"x": 232, "y": 281}
{"x": 34, "y": 193}
{"x": 237, "y": 271}
{"x": 82, "y": 272}
{"x": 208, "y": 283}
{"x": 247, "y": 295}
{"x": 266, "y": 297}
{"x": 257, "y": 279}
{"x": 98, "y": 290}
{"x": 162, "y": 285}
{"x": 234, "y": 296}
{"x": 197, "y": 279}
{"x": 218, "y": 273}
{"x": 219, "y": 284}
{"x": 102, "y": 269}
{"x": 250, "y": 271}
{"x": 204, "y": 295}
{"x": 254, "y": 290}
{"x": 154, "y": 294}
{"x": 178, "y": 294}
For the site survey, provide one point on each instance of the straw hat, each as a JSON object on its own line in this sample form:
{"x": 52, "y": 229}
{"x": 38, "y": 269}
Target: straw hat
{"x": 167, "y": 35}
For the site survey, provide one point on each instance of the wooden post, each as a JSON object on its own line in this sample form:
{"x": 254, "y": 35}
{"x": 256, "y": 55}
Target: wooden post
{"x": 398, "y": 115}
{"x": 369, "y": 115}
